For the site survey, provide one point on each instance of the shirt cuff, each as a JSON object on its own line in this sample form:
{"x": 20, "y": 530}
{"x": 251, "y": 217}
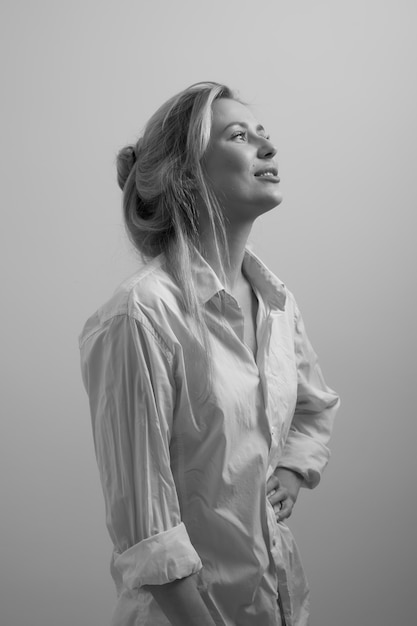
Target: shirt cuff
{"x": 159, "y": 559}
{"x": 305, "y": 456}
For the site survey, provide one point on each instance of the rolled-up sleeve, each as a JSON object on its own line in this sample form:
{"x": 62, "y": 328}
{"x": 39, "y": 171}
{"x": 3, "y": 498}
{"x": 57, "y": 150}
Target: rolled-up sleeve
{"x": 127, "y": 372}
{"x": 306, "y": 450}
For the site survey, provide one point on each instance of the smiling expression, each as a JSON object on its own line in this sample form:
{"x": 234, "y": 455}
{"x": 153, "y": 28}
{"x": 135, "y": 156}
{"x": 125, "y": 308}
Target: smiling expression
{"x": 240, "y": 163}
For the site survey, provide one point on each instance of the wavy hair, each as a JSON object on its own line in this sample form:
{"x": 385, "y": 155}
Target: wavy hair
{"x": 162, "y": 176}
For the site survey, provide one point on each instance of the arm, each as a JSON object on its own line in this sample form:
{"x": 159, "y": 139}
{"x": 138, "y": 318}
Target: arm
{"x": 306, "y": 452}
{"x": 182, "y": 603}
{"x": 127, "y": 372}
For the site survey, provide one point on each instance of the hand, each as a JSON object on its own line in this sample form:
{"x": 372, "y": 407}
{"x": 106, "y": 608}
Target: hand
{"x": 282, "y": 491}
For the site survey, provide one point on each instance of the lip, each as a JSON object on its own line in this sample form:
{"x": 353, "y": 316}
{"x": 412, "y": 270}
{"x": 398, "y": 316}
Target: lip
{"x": 271, "y": 170}
{"x": 268, "y": 179}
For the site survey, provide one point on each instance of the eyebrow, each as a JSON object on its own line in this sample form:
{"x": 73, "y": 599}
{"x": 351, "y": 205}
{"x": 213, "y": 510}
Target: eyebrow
{"x": 259, "y": 127}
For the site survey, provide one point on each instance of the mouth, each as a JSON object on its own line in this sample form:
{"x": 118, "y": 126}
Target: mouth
{"x": 268, "y": 173}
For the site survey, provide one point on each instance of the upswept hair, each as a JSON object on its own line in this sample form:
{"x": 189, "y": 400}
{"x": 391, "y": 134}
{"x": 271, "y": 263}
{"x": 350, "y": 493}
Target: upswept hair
{"x": 162, "y": 176}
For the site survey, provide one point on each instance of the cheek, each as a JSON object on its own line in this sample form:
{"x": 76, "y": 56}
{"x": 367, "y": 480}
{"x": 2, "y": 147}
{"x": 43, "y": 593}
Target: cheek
{"x": 225, "y": 167}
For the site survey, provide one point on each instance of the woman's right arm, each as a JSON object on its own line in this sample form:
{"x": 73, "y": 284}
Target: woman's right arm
{"x": 127, "y": 371}
{"x": 182, "y": 603}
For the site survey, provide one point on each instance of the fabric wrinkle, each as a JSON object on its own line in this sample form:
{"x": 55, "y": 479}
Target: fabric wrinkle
{"x": 184, "y": 480}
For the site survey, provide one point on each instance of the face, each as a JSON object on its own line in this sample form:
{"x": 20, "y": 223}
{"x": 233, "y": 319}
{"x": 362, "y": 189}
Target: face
{"x": 240, "y": 163}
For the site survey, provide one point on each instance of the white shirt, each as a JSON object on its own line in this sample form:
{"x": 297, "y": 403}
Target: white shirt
{"x": 184, "y": 473}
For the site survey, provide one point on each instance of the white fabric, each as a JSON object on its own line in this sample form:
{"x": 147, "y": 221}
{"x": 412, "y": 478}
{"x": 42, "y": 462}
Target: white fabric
{"x": 184, "y": 470}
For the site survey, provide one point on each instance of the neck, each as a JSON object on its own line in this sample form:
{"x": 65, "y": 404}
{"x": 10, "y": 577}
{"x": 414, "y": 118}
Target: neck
{"x": 237, "y": 237}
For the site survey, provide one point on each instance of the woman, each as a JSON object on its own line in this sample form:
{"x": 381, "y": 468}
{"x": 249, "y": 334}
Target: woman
{"x": 208, "y": 407}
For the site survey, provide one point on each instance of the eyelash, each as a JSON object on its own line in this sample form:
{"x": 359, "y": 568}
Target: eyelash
{"x": 241, "y": 133}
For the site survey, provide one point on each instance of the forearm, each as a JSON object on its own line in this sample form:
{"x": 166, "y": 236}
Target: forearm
{"x": 292, "y": 479}
{"x": 182, "y": 603}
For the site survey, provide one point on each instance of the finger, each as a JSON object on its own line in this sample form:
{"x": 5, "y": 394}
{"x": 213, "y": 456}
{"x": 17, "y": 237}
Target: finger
{"x": 286, "y": 509}
{"x": 277, "y": 511}
{"x": 278, "y": 495}
{"x": 272, "y": 484}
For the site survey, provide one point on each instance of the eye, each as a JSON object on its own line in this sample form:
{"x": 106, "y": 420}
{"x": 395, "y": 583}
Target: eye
{"x": 239, "y": 134}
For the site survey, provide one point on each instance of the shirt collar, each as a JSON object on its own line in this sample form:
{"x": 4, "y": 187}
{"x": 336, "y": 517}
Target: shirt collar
{"x": 208, "y": 284}
{"x": 262, "y": 279}
{"x": 206, "y": 281}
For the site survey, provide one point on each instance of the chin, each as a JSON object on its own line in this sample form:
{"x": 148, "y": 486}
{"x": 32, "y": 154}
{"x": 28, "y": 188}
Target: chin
{"x": 274, "y": 202}
{"x": 278, "y": 200}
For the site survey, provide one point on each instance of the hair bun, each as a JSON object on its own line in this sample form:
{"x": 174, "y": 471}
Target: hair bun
{"x": 126, "y": 159}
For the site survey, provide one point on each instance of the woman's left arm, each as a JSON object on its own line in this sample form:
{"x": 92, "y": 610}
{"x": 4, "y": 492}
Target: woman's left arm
{"x": 305, "y": 453}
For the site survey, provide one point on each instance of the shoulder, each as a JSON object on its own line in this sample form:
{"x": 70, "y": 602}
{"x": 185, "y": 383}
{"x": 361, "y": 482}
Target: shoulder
{"x": 148, "y": 296}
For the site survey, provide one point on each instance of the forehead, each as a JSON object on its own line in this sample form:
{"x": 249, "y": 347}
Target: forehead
{"x": 226, "y": 111}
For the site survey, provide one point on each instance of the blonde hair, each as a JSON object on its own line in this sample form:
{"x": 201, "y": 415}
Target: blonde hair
{"x": 161, "y": 177}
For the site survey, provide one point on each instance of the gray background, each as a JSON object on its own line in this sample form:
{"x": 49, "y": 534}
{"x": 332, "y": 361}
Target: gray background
{"x": 334, "y": 83}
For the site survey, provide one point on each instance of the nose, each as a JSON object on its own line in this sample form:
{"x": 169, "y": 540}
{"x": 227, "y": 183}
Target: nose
{"x": 267, "y": 150}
